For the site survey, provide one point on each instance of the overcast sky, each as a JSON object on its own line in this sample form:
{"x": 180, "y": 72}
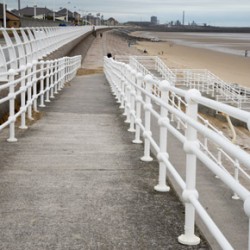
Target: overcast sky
{"x": 212, "y": 12}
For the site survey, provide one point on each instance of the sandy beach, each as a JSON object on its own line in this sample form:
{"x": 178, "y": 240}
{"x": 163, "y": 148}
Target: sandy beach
{"x": 230, "y": 68}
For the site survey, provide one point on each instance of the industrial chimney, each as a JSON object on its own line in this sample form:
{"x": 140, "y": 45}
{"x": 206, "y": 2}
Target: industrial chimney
{"x": 19, "y": 5}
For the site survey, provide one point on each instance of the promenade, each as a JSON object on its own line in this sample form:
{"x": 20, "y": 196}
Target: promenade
{"x": 74, "y": 180}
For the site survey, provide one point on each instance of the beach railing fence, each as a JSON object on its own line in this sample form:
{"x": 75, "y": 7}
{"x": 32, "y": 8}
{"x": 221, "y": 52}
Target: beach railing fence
{"x": 200, "y": 79}
{"x": 134, "y": 93}
{"x": 34, "y": 84}
{"x": 20, "y": 46}
{"x": 190, "y": 80}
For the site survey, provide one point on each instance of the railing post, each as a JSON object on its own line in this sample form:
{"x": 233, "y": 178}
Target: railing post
{"x": 173, "y": 104}
{"x": 42, "y": 84}
{"x": 122, "y": 88}
{"x": 34, "y": 83}
{"x": 52, "y": 84}
{"x": 66, "y": 77}
{"x": 132, "y": 103}
{"x": 23, "y": 98}
{"x": 189, "y": 238}
{"x": 47, "y": 81}
{"x": 12, "y": 97}
{"x": 112, "y": 78}
{"x": 127, "y": 95}
{"x": 55, "y": 76}
{"x": 179, "y": 107}
{"x": 119, "y": 83}
{"x": 138, "y": 99}
{"x": 247, "y": 212}
{"x": 236, "y": 177}
{"x": 115, "y": 82}
{"x": 162, "y": 186}
{"x": 64, "y": 71}
{"x": 205, "y": 138}
{"x": 147, "y": 133}
{"x": 59, "y": 74}
{"x": 29, "y": 91}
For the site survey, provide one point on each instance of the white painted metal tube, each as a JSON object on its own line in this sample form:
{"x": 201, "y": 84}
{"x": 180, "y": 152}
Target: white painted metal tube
{"x": 224, "y": 176}
{"x": 214, "y": 230}
{"x": 194, "y": 150}
{"x": 25, "y": 79}
{"x": 12, "y": 108}
{"x": 234, "y": 150}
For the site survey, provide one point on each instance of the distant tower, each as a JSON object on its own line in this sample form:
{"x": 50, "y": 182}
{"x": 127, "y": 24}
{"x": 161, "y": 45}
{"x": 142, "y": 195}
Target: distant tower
{"x": 154, "y": 20}
{"x": 183, "y": 18}
{"x": 19, "y": 4}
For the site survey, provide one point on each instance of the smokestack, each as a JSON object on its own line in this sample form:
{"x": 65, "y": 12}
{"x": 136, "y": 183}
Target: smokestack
{"x": 19, "y": 5}
{"x": 183, "y": 17}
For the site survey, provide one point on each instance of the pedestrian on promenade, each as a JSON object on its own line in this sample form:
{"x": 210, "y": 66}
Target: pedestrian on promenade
{"x": 246, "y": 53}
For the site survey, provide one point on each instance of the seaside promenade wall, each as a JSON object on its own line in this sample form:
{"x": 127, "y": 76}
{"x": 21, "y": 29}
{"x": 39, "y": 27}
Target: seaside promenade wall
{"x": 29, "y": 22}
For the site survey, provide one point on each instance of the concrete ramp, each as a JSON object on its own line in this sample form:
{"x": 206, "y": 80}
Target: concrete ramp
{"x": 74, "y": 180}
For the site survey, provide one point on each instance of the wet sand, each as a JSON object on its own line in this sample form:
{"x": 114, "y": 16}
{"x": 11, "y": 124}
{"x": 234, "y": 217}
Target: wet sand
{"x": 230, "y": 68}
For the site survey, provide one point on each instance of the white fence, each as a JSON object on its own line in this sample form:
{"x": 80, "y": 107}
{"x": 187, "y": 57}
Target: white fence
{"x": 22, "y": 46}
{"x": 207, "y": 82}
{"x": 136, "y": 92}
{"x": 35, "y": 84}
{"x": 201, "y": 79}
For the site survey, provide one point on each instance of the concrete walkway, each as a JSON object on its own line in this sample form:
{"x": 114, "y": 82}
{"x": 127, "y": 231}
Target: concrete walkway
{"x": 74, "y": 180}
{"x": 214, "y": 195}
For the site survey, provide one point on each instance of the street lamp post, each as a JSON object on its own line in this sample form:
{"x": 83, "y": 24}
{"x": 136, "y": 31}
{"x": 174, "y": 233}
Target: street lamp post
{"x": 67, "y": 16}
{"x": 4, "y": 14}
{"x": 35, "y": 11}
{"x": 54, "y": 13}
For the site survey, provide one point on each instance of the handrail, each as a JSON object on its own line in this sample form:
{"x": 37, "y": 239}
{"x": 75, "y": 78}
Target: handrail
{"x": 36, "y": 81}
{"x": 134, "y": 92}
{"x": 20, "y": 46}
{"x": 201, "y": 79}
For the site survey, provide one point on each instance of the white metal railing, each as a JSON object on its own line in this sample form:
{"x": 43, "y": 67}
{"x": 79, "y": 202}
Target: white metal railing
{"x": 122, "y": 58}
{"x": 196, "y": 79}
{"x": 201, "y": 79}
{"x": 23, "y": 45}
{"x": 34, "y": 84}
{"x": 215, "y": 153}
{"x": 205, "y": 81}
{"x": 135, "y": 64}
{"x": 165, "y": 71}
{"x": 134, "y": 92}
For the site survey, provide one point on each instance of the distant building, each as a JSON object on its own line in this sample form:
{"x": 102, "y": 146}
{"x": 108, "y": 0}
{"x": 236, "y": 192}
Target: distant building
{"x": 34, "y": 12}
{"x": 154, "y": 20}
{"x": 12, "y": 20}
{"x": 63, "y": 13}
{"x": 45, "y": 13}
{"x": 92, "y": 19}
{"x": 77, "y": 18}
{"x": 111, "y": 22}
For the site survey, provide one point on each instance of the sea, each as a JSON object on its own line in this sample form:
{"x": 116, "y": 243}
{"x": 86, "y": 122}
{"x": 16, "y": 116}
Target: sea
{"x": 230, "y": 43}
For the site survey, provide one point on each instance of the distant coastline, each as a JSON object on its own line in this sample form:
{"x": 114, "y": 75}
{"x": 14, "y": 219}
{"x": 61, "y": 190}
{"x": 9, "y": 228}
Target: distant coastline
{"x": 221, "y": 53}
{"x": 188, "y": 28}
